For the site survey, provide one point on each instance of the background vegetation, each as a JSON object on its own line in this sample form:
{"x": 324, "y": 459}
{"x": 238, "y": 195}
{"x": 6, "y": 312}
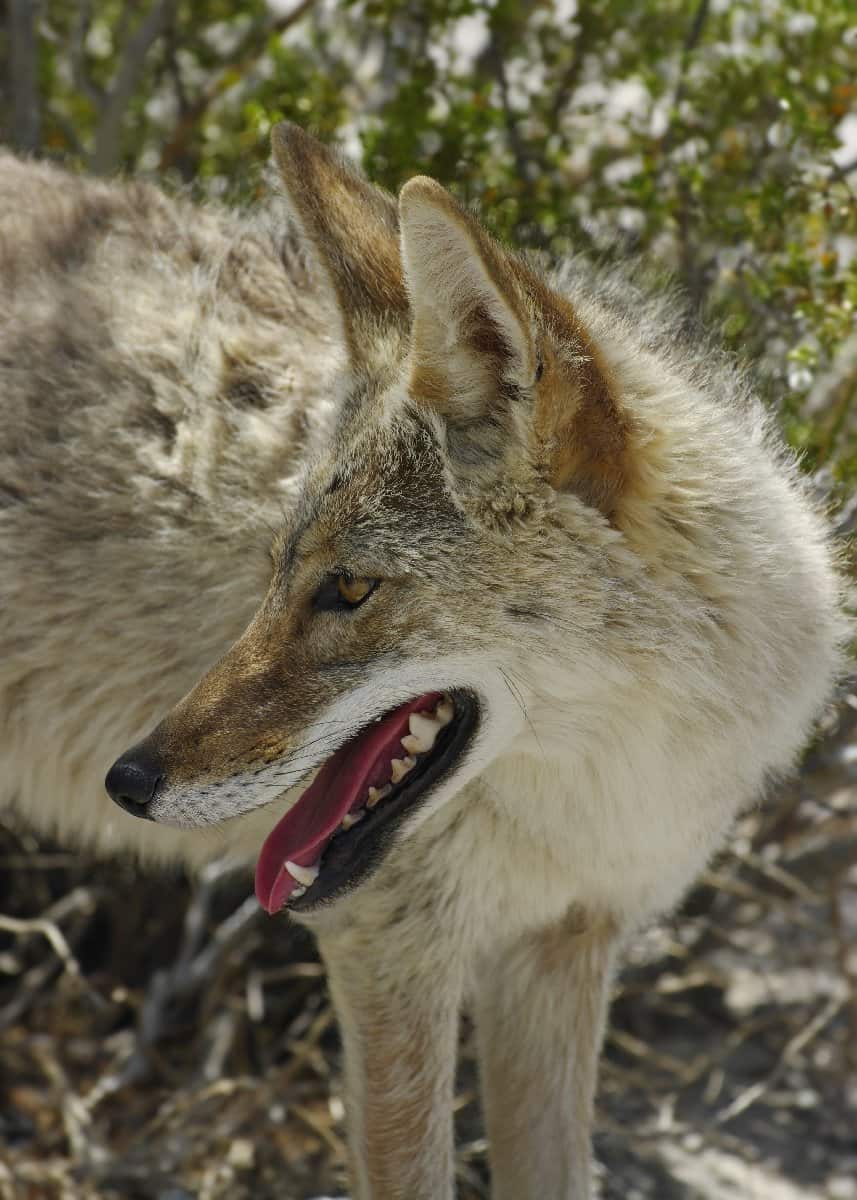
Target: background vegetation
{"x": 168, "y": 1042}
{"x": 718, "y": 138}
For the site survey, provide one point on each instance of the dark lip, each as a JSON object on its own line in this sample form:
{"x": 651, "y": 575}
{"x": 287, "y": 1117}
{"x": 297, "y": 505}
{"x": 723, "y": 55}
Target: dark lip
{"x": 351, "y": 857}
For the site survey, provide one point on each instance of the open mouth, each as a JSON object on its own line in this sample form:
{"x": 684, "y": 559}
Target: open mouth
{"x": 340, "y": 827}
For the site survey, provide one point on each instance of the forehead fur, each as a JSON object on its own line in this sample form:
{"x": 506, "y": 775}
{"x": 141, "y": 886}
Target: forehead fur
{"x": 381, "y": 493}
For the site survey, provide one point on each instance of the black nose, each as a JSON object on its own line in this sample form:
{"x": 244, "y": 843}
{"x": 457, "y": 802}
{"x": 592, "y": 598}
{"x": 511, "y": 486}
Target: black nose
{"x": 133, "y": 780}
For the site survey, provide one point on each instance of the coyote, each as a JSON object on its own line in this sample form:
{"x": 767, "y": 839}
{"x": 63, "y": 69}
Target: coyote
{"x": 546, "y": 603}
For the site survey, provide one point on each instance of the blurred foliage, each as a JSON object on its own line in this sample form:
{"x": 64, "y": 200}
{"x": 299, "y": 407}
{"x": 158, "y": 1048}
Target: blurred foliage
{"x": 718, "y": 139}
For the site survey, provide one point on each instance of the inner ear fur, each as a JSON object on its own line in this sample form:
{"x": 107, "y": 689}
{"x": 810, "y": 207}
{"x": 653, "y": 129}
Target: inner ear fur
{"x": 352, "y": 225}
{"x": 462, "y": 297}
{"x": 489, "y": 334}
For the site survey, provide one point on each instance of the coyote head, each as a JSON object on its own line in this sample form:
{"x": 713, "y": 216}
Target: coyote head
{"x": 452, "y": 535}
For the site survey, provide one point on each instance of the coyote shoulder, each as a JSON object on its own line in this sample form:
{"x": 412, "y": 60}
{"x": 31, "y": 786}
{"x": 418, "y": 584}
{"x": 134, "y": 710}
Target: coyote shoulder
{"x": 546, "y": 603}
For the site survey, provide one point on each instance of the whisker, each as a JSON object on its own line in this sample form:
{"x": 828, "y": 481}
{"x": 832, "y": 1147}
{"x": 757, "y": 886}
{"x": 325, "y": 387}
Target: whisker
{"x": 518, "y": 698}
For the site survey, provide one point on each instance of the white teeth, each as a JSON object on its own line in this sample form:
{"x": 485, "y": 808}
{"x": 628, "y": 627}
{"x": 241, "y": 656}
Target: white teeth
{"x": 424, "y": 730}
{"x": 377, "y": 794}
{"x": 304, "y": 875}
{"x": 412, "y": 744}
{"x": 399, "y": 767}
{"x": 297, "y": 893}
{"x": 444, "y": 711}
{"x": 352, "y": 818}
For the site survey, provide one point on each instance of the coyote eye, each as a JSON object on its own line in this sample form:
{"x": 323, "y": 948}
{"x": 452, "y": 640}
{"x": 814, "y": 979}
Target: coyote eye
{"x": 342, "y": 591}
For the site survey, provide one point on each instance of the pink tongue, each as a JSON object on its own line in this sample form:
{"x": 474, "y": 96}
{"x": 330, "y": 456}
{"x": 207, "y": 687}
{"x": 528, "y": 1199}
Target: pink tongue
{"x": 340, "y": 786}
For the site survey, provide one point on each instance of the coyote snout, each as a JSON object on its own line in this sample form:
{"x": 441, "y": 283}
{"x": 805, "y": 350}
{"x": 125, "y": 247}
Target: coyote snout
{"x": 349, "y": 754}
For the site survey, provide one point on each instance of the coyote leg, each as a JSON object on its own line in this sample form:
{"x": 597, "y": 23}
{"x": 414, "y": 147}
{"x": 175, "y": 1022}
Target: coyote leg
{"x": 540, "y": 1009}
{"x": 398, "y": 1007}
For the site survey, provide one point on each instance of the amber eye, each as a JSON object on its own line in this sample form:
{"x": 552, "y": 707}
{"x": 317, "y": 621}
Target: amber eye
{"x": 354, "y": 591}
{"x": 341, "y": 592}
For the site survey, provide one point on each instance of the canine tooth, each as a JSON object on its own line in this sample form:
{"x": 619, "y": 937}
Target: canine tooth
{"x": 304, "y": 875}
{"x": 399, "y": 767}
{"x": 377, "y": 794}
{"x": 444, "y": 711}
{"x": 352, "y": 818}
{"x": 424, "y": 729}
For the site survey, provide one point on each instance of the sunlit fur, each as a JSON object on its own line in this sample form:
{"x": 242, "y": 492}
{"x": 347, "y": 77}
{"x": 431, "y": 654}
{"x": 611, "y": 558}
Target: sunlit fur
{"x": 576, "y": 513}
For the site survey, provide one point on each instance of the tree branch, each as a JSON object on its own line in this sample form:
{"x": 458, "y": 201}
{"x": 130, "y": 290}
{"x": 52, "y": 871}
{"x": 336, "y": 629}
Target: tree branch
{"x": 78, "y": 57}
{"x": 26, "y": 131}
{"x": 570, "y": 76}
{"x": 241, "y": 59}
{"x": 493, "y": 58}
{"x": 108, "y": 135}
{"x": 691, "y": 272}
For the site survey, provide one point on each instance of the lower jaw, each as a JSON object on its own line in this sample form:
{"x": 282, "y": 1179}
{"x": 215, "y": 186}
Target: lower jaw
{"x": 350, "y": 858}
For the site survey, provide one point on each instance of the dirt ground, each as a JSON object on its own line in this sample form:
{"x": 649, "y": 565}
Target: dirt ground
{"x": 166, "y": 1041}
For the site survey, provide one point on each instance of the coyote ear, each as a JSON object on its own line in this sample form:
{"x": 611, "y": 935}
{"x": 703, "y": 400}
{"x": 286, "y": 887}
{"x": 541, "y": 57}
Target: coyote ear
{"x": 353, "y": 227}
{"x": 504, "y": 359}
{"x": 471, "y": 330}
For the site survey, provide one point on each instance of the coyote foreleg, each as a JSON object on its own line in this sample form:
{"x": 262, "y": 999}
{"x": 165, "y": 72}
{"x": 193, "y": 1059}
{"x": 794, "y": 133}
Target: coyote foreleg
{"x": 397, "y": 992}
{"x": 540, "y": 1009}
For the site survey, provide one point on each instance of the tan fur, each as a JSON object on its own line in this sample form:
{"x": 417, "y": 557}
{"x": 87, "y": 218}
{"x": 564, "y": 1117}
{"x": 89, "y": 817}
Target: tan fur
{"x": 578, "y": 420}
{"x": 520, "y": 1025}
{"x": 391, "y": 1032}
{"x": 578, "y": 520}
{"x": 355, "y": 230}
